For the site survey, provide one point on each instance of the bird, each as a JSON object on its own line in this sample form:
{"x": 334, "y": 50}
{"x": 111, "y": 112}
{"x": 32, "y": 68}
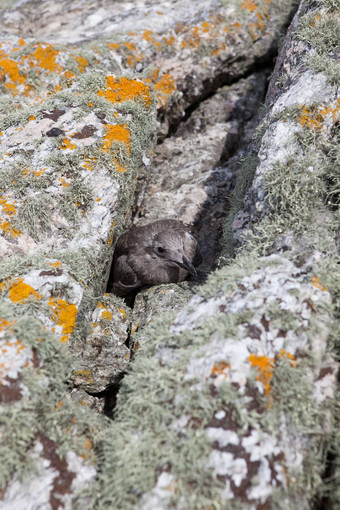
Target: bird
{"x": 160, "y": 252}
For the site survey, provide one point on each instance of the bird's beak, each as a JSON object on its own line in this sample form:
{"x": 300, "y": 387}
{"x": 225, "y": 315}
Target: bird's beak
{"x": 187, "y": 266}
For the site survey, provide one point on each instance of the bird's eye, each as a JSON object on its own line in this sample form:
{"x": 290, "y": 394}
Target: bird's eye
{"x": 160, "y": 249}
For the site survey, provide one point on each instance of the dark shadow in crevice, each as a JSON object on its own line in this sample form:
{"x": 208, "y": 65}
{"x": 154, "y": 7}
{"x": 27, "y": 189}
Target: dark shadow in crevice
{"x": 110, "y": 397}
{"x": 209, "y": 222}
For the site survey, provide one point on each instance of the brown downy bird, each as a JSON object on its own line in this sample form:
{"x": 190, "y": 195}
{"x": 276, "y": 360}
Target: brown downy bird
{"x": 161, "y": 252}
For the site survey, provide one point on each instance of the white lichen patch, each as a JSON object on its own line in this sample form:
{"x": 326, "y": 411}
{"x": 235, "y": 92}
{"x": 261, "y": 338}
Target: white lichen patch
{"x": 166, "y": 484}
{"x": 308, "y": 89}
{"x": 14, "y": 357}
{"x": 35, "y": 492}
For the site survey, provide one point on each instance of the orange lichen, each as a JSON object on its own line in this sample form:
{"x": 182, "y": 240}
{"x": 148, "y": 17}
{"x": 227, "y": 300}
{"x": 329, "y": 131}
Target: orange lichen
{"x": 113, "y": 46}
{"x": 64, "y": 183}
{"x": 88, "y": 444}
{"x": 165, "y": 86}
{"x": 124, "y": 89}
{"x": 106, "y": 314}
{"x": 5, "y": 324}
{"x": 66, "y": 144}
{"x": 64, "y": 314}
{"x": 82, "y": 63}
{"x": 134, "y": 328}
{"x": 8, "y": 229}
{"x": 55, "y": 264}
{"x": 317, "y": 284}
{"x": 11, "y": 76}
{"x": 44, "y": 57}
{"x": 116, "y": 133}
{"x": 283, "y": 354}
{"x": 20, "y": 291}
{"x": 220, "y": 368}
{"x": 314, "y": 117}
{"x": 69, "y": 75}
{"x": 111, "y": 234}
{"x": 88, "y": 163}
{"x": 236, "y": 24}
{"x": 249, "y": 5}
{"x": 148, "y": 35}
{"x": 169, "y": 41}
{"x": 7, "y": 208}
{"x": 122, "y": 312}
{"x": 13, "y": 71}
{"x": 264, "y": 366}
{"x": 119, "y": 167}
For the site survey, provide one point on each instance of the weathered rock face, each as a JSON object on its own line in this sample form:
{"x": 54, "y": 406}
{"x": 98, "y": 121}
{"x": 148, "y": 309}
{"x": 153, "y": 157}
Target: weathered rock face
{"x": 229, "y": 397}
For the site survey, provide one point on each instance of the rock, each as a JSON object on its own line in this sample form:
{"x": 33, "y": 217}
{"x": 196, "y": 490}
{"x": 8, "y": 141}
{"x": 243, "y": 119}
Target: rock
{"x": 236, "y": 389}
{"x": 229, "y": 400}
{"x": 103, "y": 356}
{"x": 189, "y": 179}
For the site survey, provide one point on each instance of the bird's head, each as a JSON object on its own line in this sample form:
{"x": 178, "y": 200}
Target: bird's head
{"x": 168, "y": 246}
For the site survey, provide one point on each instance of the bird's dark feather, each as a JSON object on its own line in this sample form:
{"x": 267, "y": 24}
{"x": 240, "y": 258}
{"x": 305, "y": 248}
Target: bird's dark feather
{"x": 136, "y": 263}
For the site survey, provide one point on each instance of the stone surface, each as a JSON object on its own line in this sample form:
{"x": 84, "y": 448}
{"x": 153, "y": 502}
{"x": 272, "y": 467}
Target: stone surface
{"x": 104, "y": 358}
{"x": 241, "y": 382}
{"x": 194, "y": 170}
{"x": 229, "y": 398}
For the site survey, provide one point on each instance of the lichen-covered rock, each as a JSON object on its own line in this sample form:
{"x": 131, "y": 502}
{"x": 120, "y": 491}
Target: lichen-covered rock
{"x": 103, "y": 359}
{"x": 235, "y": 393}
{"x": 70, "y": 150}
{"x": 154, "y": 301}
{"x": 234, "y": 382}
{"x": 228, "y": 402}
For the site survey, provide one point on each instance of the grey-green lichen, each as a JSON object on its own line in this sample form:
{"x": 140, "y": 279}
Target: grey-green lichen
{"x": 44, "y": 409}
{"x": 320, "y": 29}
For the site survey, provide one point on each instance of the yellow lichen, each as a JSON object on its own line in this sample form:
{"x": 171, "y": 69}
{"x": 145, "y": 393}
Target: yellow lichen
{"x": 85, "y": 373}
{"x": 317, "y": 284}
{"x": 220, "y": 368}
{"x": 264, "y": 366}
{"x": 20, "y": 291}
{"x": 64, "y": 314}
{"x": 66, "y": 144}
{"x": 106, "y": 314}
{"x": 124, "y": 89}
{"x": 116, "y": 133}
